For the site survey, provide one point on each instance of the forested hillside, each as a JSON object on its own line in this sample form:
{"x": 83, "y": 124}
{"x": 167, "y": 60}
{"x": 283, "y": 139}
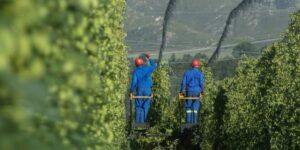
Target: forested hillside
{"x": 198, "y": 24}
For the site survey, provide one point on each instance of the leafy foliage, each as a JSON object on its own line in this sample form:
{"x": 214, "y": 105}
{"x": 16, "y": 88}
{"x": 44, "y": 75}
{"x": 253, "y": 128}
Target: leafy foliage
{"x": 262, "y": 100}
{"x": 208, "y": 117}
{"x": 259, "y": 107}
{"x": 62, "y": 67}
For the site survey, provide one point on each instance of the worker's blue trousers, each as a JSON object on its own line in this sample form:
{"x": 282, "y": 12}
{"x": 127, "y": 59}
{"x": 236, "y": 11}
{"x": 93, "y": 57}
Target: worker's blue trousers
{"x": 142, "y": 105}
{"x": 192, "y": 107}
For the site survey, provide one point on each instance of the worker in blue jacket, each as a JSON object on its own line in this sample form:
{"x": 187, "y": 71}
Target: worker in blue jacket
{"x": 142, "y": 83}
{"x": 192, "y": 85}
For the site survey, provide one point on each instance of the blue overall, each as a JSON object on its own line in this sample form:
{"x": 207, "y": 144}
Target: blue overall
{"x": 192, "y": 84}
{"x": 142, "y": 83}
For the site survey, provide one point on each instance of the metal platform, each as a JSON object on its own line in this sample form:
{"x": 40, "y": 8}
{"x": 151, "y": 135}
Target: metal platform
{"x": 140, "y": 126}
{"x": 188, "y": 126}
{"x": 143, "y": 132}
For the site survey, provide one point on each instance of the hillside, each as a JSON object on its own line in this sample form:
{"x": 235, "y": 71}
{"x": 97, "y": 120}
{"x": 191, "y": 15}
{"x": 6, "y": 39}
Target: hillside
{"x": 197, "y": 24}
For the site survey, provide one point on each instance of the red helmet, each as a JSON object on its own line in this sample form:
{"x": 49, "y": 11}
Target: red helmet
{"x": 139, "y": 61}
{"x": 195, "y": 63}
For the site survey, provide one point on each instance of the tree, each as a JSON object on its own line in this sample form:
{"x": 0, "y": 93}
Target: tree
{"x": 187, "y": 57}
{"x": 224, "y": 68}
{"x": 245, "y": 48}
{"x": 201, "y": 56}
{"x": 172, "y": 58}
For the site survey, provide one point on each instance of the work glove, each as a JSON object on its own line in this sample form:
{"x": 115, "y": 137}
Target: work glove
{"x": 145, "y": 58}
{"x": 203, "y": 94}
{"x": 181, "y": 93}
{"x": 129, "y": 94}
{"x": 148, "y": 55}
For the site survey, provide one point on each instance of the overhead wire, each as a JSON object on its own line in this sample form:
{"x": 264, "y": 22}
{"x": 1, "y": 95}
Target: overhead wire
{"x": 197, "y": 49}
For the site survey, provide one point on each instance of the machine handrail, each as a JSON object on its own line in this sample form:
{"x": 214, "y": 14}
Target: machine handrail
{"x": 135, "y": 97}
{"x": 182, "y": 97}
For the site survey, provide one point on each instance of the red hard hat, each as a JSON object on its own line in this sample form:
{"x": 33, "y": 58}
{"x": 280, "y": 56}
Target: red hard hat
{"x": 139, "y": 61}
{"x": 195, "y": 63}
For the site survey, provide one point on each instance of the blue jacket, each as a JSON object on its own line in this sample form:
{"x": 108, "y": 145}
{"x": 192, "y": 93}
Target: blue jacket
{"x": 141, "y": 77}
{"x": 192, "y": 81}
